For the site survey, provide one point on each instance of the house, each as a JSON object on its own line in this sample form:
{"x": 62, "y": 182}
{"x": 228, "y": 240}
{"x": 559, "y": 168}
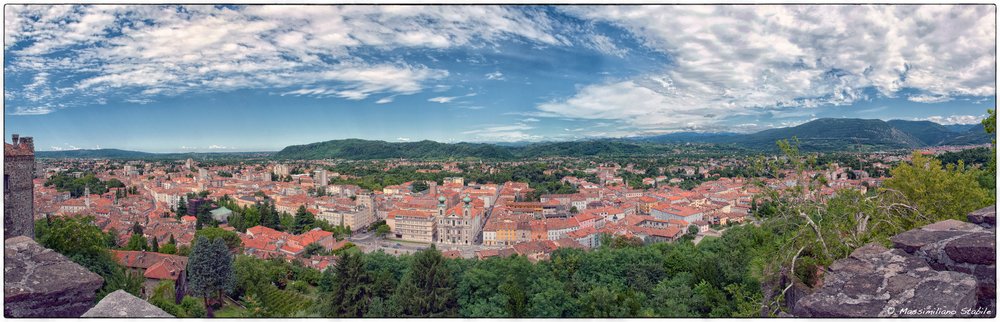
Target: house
{"x": 154, "y": 267}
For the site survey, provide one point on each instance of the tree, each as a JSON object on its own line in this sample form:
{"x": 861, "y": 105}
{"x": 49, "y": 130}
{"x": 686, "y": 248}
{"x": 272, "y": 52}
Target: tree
{"x": 181, "y": 207}
{"x": 154, "y": 245}
{"x": 210, "y": 270}
{"x": 349, "y": 290}
{"x": 428, "y": 289}
{"x": 382, "y": 230}
{"x": 231, "y": 239}
{"x": 419, "y": 186}
{"x": 112, "y": 238}
{"x": 81, "y": 241}
{"x": 137, "y": 242}
{"x": 943, "y": 193}
{"x": 269, "y": 216}
{"x": 168, "y": 249}
{"x": 312, "y": 249}
{"x": 304, "y": 220}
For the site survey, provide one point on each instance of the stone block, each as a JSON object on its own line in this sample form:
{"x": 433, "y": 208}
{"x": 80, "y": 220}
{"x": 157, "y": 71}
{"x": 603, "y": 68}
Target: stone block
{"x": 976, "y": 248}
{"x": 913, "y": 240}
{"x": 39, "y": 282}
{"x": 986, "y": 216}
{"x": 121, "y": 304}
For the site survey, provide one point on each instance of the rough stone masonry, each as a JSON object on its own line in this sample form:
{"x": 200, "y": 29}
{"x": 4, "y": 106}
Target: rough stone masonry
{"x": 945, "y": 269}
{"x": 19, "y": 190}
{"x": 39, "y": 282}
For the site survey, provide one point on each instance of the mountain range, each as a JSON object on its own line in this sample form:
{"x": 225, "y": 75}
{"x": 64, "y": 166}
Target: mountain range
{"x": 829, "y": 134}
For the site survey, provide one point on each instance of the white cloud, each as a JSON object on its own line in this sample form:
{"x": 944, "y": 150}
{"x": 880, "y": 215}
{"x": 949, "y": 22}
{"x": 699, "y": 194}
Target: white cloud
{"x": 442, "y": 99}
{"x": 504, "y": 133}
{"x": 385, "y": 100}
{"x": 217, "y": 147}
{"x": 740, "y": 59}
{"x": 497, "y": 75}
{"x": 449, "y": 99}
{"x": 402, "y": 139}
{"x": 929, "y": 98}
{"x": 530, "y": 119}
{"x": 171, "y": 50}
{"x": 607, "y": 46}
{"x": 954, "y": 119}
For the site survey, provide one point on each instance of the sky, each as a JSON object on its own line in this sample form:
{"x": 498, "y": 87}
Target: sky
{"x": 261, "y": 77}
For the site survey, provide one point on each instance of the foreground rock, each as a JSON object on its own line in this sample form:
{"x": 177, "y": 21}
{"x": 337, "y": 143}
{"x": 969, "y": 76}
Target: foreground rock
{"x": 39, "y": 282}
{"x": 944, "y": 269}
{"x": 878, "y": 282}
{"x": 121, "y": 304}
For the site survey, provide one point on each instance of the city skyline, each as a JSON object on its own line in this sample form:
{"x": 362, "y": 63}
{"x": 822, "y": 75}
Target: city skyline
{"x": 258, "y": 78}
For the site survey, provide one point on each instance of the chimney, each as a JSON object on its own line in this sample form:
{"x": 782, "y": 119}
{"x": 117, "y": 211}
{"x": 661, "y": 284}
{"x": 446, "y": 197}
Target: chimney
{"x": 27, "y": 143}
{"x": 14, "y": 140}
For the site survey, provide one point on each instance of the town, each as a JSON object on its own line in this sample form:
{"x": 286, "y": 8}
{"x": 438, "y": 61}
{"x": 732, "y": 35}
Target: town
{"x": 171, "y": 200}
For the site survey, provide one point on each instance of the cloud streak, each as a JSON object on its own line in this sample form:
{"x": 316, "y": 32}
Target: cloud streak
{"x": 143, "y": 52}
{"x": 741, "y": 59}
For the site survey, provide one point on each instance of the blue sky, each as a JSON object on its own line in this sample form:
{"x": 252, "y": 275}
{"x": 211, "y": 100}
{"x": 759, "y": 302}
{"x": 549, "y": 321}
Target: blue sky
{"x": 258, "y": 78}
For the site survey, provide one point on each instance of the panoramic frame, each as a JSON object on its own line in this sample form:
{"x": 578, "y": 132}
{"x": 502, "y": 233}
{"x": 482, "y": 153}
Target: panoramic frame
{"x": 499, "y": 161}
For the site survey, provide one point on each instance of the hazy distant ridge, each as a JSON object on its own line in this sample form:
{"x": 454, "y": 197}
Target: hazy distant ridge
{"x": 818, "y": 135}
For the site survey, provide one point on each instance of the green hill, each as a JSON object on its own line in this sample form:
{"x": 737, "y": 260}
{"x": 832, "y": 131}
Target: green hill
{"x": 357, "y": 149}
{"x": 929, "y": 133}
{"x": 94, "y": 154}
{"x": 126, "y": 154}
{"x": 975, "y": 135}
{"x": 834, "y": 134}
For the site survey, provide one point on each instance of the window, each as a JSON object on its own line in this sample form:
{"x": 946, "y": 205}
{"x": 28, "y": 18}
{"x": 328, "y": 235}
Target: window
{"x": 6, "y": 182}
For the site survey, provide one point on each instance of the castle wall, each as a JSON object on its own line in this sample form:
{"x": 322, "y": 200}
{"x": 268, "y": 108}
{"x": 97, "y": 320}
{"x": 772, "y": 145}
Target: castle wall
{"x": 18, "y": 197}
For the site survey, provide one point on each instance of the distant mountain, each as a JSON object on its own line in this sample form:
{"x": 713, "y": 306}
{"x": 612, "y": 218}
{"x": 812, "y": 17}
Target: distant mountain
{"x": 833, "y": 134}
{"x": 830, "y": 134}
{"x": 683, "y": 137}
{"x": 929, "y": 133}
{"x": 93, "y": 154}
{"x": 126, "y": 154}
{"x": 959, "y": 128}
{"x": 975, "y": 135}
{"x": 357, "y": 149}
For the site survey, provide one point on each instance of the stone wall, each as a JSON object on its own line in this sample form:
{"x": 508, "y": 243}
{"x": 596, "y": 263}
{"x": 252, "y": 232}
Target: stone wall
{"x": 945, "y": 269}
{"x": 39, "y": 282}
{"x": 18, "y": 195}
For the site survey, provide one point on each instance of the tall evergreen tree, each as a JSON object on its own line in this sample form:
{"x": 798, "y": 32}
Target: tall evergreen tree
{"x": 269, "y": 216}
{"x": 181, "y": 207}
{"x": 428, "y": 290}
{"x": 304, "y": 220}
{"x": 350, "y": 288}
{"x": 210, "y": 270}
{"x": 154, "y": 245}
